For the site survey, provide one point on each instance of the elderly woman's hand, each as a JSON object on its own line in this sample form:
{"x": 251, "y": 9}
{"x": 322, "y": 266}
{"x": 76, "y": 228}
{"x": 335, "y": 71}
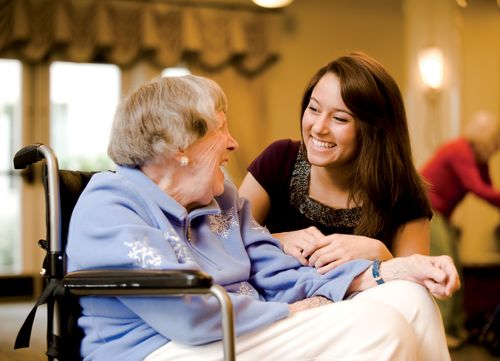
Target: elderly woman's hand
{"x": 308, "y": 303}
{"x": 438, "y": 274}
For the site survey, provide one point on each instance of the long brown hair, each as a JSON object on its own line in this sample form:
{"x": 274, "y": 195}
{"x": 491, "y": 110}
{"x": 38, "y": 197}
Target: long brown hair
{"x": 383, "y": 170}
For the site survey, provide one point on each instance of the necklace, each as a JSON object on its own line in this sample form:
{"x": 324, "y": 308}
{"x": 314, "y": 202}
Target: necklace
{"x": 309, "y": 207}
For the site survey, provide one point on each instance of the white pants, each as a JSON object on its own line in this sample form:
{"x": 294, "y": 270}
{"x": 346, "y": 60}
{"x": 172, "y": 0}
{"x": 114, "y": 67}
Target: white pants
{"x": 398, "y": 320}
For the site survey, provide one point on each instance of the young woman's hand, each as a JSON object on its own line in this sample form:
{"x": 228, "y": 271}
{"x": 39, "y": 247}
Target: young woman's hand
{"x": 312, "y": 248}
{"x": 437, "y": 273}
{"x": 331, "y": 251}
{"x": 295, "y": 242}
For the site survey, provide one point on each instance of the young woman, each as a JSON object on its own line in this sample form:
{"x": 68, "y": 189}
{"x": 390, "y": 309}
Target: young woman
{"x": 349, "y": 189}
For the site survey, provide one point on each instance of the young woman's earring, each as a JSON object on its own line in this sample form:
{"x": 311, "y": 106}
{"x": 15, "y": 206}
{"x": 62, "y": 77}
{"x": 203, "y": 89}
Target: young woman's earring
{"x": 184, "y": 161}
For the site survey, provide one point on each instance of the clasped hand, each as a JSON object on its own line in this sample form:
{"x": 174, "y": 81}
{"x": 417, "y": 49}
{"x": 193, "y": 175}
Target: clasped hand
{"x": 436, "y": 273}
{"x": 312, "y": 248}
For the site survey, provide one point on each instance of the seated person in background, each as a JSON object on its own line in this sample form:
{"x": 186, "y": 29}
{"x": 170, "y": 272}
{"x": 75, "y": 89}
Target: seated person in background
{"x": 459, "y": 167}
{"x": 349, "y": 188}
{"x": 168, "y": 206}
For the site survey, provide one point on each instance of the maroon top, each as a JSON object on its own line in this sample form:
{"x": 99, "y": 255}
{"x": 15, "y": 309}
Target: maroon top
{"x": 283, "y": 171}
{"x": 452, "y": 172}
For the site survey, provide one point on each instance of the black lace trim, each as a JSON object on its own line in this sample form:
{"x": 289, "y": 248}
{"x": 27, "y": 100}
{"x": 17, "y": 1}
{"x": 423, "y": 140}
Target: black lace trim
{"x": 312, "y": 209}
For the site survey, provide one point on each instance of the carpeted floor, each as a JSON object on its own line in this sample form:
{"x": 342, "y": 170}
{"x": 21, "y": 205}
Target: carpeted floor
{"x": 12, "y": 315}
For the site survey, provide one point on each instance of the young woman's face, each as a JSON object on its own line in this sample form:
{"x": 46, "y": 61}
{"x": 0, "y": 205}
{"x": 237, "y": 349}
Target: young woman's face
{"x": 206, "y": 157}
{"x": 329, "y": 129}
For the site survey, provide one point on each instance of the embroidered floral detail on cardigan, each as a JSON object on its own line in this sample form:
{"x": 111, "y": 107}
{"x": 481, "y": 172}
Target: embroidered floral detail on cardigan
{"x": 257, "y": 227}
{"x": 181, "y": 250}
{"x": 144, "y": 255}
{"x": 222, "y": 223}
{"x": 245, "y": 289}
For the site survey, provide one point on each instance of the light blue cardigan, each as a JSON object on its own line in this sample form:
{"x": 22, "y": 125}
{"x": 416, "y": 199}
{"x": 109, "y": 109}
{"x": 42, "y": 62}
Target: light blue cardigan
{"x": 123, "y": 220}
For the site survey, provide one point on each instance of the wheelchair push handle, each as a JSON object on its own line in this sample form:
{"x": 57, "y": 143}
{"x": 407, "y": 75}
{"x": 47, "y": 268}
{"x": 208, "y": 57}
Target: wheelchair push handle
{"x": 33, "y": 153}
{"x": 29, "y": 155}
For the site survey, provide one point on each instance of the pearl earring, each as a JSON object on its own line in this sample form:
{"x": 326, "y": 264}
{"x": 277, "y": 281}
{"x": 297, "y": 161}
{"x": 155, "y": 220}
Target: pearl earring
{"x": 184, "y": 161}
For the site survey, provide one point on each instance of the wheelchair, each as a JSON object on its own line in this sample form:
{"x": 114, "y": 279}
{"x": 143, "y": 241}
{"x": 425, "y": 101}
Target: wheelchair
{"x": 62, "y": 290}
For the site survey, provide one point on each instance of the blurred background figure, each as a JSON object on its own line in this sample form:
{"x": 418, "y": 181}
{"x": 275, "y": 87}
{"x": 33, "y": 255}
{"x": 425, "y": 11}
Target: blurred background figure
{"x": 457, "y": 168}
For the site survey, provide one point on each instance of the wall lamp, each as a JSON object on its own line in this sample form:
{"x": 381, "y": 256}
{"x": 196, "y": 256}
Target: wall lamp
{"x": 272, "y": 3}
{"x": 431, "y": 65}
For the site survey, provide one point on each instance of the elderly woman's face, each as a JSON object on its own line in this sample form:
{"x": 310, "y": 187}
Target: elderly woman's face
{"x": 207, "y": 155}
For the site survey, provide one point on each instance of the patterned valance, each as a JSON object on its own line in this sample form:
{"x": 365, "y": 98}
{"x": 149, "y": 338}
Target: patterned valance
{"x": 125, "y": 31}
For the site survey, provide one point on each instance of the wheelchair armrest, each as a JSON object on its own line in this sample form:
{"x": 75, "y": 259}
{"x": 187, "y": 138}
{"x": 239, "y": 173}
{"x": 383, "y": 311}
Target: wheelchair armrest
{"x": 108, "y": 282}
{"x": 155, "y": 282}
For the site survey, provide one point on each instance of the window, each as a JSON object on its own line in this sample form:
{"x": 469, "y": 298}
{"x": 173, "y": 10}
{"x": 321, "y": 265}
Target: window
{"x": 10, "y": 181}
{"x": 83, "y": 101}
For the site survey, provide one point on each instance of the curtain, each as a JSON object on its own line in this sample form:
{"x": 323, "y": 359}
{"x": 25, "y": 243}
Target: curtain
{"x": 123, "y": 32}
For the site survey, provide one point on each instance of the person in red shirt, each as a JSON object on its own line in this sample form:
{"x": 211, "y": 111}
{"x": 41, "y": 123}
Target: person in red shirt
{"x": 459, "y": 167}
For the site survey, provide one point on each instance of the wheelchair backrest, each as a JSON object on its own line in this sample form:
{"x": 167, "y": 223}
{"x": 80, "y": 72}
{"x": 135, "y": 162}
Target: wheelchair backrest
{"x": 71, "y": 185}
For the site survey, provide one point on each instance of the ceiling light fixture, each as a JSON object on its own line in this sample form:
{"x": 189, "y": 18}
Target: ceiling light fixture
{"x": 272, "y": 3}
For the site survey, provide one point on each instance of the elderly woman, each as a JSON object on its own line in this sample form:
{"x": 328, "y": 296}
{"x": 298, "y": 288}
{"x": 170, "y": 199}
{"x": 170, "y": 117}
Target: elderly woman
{"x": 167, "y": 206}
